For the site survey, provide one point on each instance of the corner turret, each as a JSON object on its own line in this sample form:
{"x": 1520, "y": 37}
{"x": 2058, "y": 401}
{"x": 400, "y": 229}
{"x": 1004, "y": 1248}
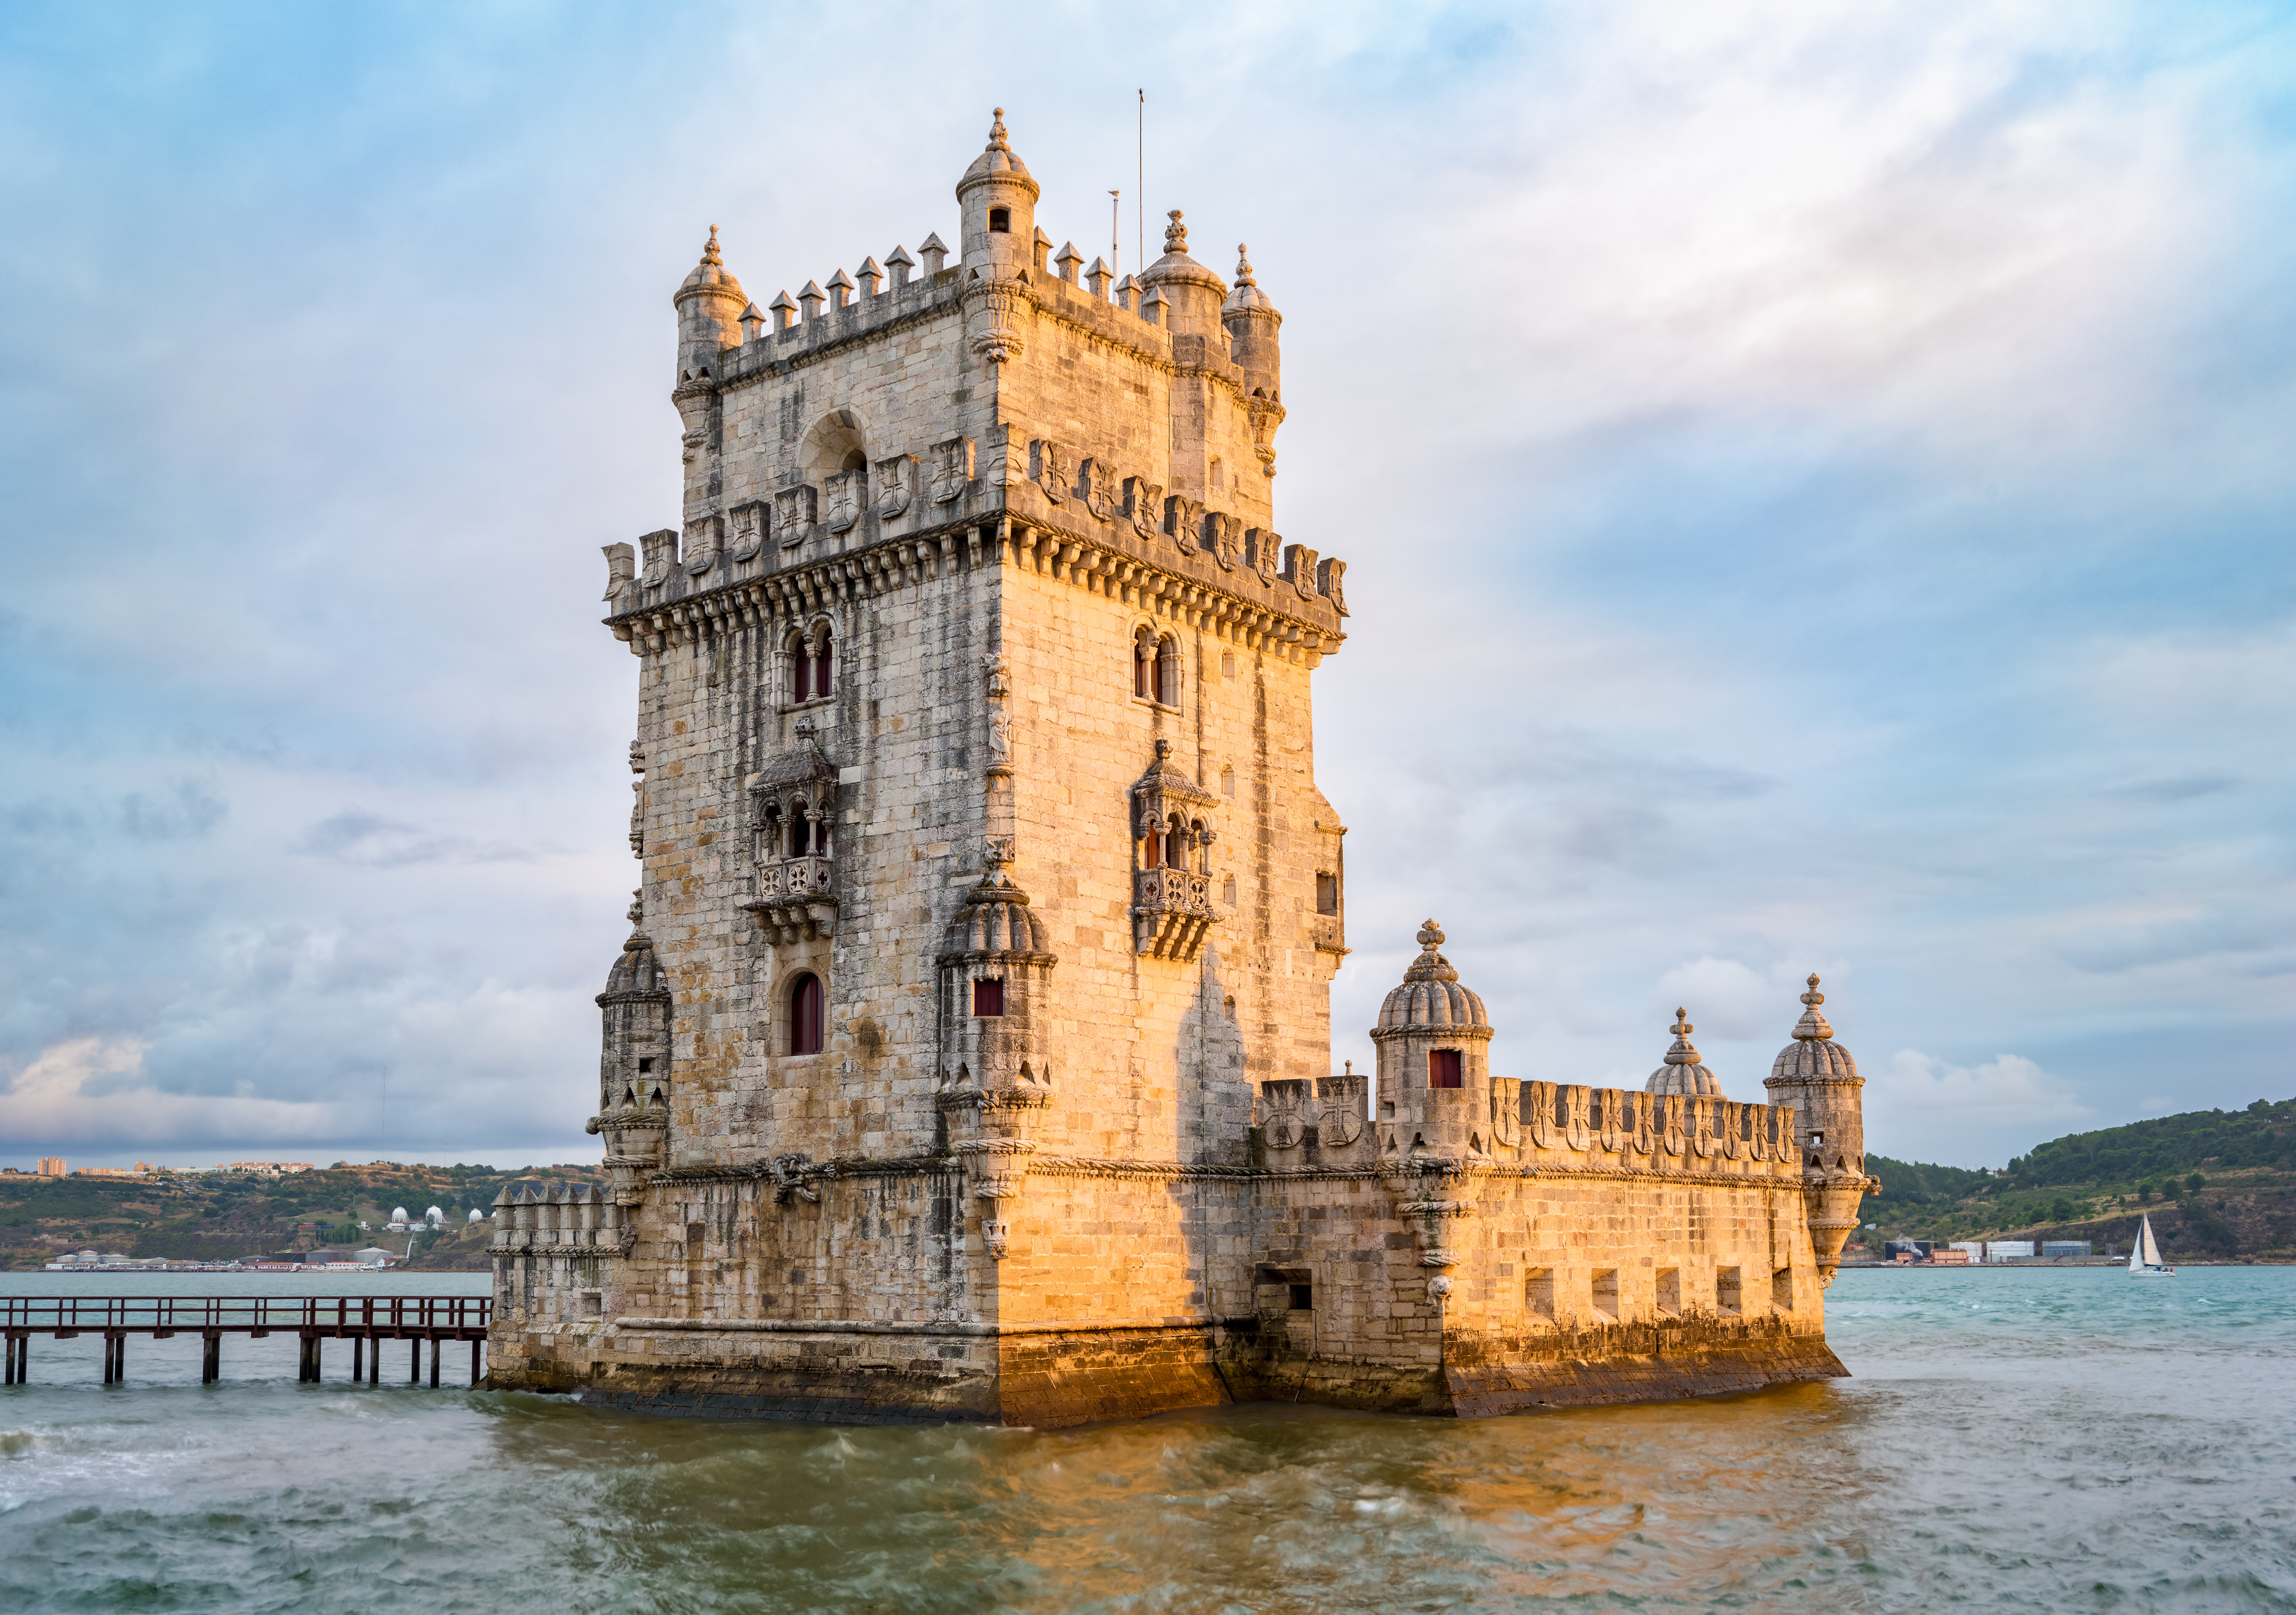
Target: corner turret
{"x": 1192, "y": 293}
{"x": 709, "y": 303}
{"x": 1818, "y": 1078}
{"x": 999, "y": 204}
{"x": 1433, "y": 1038}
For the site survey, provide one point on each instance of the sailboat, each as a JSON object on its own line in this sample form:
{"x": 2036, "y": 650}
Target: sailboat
{"x": 2144, "y": 1256}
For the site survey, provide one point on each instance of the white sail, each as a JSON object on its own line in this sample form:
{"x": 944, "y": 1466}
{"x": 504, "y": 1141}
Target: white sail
{"x": 2150, "y": 1245}
{"x": 2137, "y": 1247}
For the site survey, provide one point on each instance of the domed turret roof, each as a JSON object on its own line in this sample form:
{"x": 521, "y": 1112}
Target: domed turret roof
{"x": 638, "y": 971}
{"x": 1812, "y": 1053}
{"x": 712, "y": 273}
{"x": 1247, "y": 293}
{"x": 998, "y": 162}
{"x": 1682, "y": 1073}
{"x": 1431, "y": 998}
{"x": 1176, "y": 265}
{"x": 997, "y": 922}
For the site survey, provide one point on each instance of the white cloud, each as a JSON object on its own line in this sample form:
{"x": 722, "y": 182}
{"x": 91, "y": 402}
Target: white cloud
{"x": 95, "y": 1088}
{"x": 1918, "y": 1096}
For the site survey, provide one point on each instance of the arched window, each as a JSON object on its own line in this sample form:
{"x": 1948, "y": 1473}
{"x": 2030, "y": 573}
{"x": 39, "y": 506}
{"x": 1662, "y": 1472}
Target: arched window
{"x": 1144, "y": 665}
{"x": 1168, "y": 671}
{"x": 805, "y": 1015}
{"x": 821, "y": 684}
{"x": 1203, "y": 840}
{"x": 1175, "y": 844}
{"x": 769, "y": 832}
{"x": 801, "y": 660}
{"x": 855, "y": 460}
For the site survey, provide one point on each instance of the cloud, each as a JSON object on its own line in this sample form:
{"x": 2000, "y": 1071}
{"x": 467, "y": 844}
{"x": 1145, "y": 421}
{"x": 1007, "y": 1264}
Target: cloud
{"x": 1920, "y": 1092}
{"x": 89, "y": 1088}
{"x": 191, "y": 812}
{"x": 371, "y": 841}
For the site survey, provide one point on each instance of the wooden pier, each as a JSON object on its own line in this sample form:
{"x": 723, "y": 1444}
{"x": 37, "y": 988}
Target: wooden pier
{"x": 366, "y": 1321}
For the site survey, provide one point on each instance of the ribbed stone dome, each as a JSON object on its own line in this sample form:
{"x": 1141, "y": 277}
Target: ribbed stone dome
{"x": 1176, "y": 265}
{"x": 638, "y": 971}
{"x": 1682, "y": 1073}
{"x": 1430, "y": 996}
{"x": 711, "y": 272}
{"x": 1812, "y": 1053}
{"x": 999, "y": 159}
{"x": 1247, "y": 293}
{"x": 995, "y": 923}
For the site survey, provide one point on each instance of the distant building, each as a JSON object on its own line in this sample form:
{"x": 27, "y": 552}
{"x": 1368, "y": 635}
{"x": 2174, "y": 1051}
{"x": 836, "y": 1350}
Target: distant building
{"x": 2058, "y": 1248}
{"x": 398, "y": 1223}
{"x": 52, "y": 1166}
{"x": 435, "y": 1217}
{"x": 1972, "y": 1251}
{"x": 2008, "y": 1249}
{"x": 272, "y": 1169}
{"x": 108, "y": 1172}
{"x": 1952, "y": 1257}
{"x": 374, "y": 1256}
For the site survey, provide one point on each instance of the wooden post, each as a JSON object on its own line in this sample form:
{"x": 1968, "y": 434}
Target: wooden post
{"x": 211, "y": 1357}
{"x": 358, "y": 1358}
{"x": 375, "y": 1363}
{"x": 474, "y": 1364}
{"x": 434, "y": 1362}
{"x": 414, "y": 1362}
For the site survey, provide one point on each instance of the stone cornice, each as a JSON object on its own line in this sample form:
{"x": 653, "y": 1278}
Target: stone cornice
{"x": 1106, "y": 563}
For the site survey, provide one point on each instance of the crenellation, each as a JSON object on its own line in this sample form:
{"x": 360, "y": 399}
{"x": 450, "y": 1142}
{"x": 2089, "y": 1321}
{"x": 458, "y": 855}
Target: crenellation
{"x": 968, "y": 1056}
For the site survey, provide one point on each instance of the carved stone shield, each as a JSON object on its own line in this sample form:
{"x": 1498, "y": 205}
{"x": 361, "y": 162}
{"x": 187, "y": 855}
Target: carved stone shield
{"x": 951, "y": 468}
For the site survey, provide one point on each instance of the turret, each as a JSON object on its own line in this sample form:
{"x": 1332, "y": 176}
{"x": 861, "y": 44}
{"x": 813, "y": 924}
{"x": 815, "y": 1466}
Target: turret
{"x": 998, "y": 202}
{"x": 709, "y": 304}
{"x": 1435, "y": 1091}
{"x": 1818, "y": 1078}
{"x": 1253, "y": 322}
{"x": 1683, "y": 1072}
{"x": 1193, "y": 294}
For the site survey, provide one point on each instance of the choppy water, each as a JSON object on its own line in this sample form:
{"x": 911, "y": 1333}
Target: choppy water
{"x": 2014, "y": 1440}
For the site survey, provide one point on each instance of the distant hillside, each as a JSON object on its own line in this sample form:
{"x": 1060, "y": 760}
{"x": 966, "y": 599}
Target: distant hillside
{"x": 2263, "y": 1136}
{"x": 2218, "y": 1183}
{"x": 219, "y": 1217}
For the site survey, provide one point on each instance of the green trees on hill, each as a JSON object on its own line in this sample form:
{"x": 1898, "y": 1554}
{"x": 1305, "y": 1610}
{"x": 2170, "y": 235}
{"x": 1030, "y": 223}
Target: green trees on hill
{"x": 2264, "y": 1135}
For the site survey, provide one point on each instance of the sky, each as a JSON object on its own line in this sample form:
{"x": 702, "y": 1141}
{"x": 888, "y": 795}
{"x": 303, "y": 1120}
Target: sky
{"x": 1815, "y": 482}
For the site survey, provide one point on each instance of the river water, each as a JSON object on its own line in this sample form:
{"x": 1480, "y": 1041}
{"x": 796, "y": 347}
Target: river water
{"x": 2013, "y": 1439}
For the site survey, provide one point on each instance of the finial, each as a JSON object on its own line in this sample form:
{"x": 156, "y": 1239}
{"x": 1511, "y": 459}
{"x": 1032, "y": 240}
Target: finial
{"x": 1244, "y": 266}
{"x": 1176, "y": 234}
{"x": 997, "y": 133}
{"x": 1812, "y": 1027}
{"x": 638, "y": 908}
{"x": 1163, "y": 749}
{"x": 1682, "y": 1053}
{"x": 710, "y": 254}
{"x": 1431, "y": 936}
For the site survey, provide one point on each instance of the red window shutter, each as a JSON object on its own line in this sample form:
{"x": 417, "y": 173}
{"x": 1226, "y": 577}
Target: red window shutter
{"x": 1443, "y": 1068}
{"x": 988, "y": 995}
{"x": 804, "y": 677}
{"x": 804, "y": 1016}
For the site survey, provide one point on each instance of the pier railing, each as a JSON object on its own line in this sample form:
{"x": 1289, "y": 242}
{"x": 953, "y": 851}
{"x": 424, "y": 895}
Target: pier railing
{"x": 366, "y": 1321}
{"x": 457, "y": 1317}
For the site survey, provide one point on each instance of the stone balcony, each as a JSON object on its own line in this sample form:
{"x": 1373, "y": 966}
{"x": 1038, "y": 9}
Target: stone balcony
{"x": 796, "y": 897}
{"x": 1172, "y": 911}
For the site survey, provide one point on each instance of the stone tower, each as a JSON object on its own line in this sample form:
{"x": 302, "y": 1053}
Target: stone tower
{"x": 968, "y": 1058}
{"x": 1817, "y": 1076}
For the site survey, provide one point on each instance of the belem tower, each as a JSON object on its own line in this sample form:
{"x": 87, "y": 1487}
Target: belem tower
{"x": 970, "y": 1056}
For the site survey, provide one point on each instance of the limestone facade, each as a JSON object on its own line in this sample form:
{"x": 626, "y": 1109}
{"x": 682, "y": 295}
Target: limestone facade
{"x": 969, "y": 1055}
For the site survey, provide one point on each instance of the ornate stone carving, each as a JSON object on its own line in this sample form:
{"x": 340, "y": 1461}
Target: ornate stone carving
{"x": 1224, "y": 536}
{"x": 952, "y": 469}
{"x": 1329, "y": 579}
{"x": 1048, "y": 469}
{"x": 896, "y": 481}
{"x": 1183, "y": 522}
{"x": 701, "y": 544}
{"x": 660, "y": 547}
{"x": 993, "y": 309}
{"x": 1264, "y": 551}
{"x": 1299, "y": 568}
{"x": 793, "y": 513}
{"x": 750, "y": 523}
{"x": 1284, "y": 1126}
{"x": 1097, "y": 486}
{"x": 1143, "y": 505}
{"x": 844, "y": 495}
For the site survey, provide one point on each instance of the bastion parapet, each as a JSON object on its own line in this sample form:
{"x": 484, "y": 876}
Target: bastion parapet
{"x": 969, "y": 1055}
